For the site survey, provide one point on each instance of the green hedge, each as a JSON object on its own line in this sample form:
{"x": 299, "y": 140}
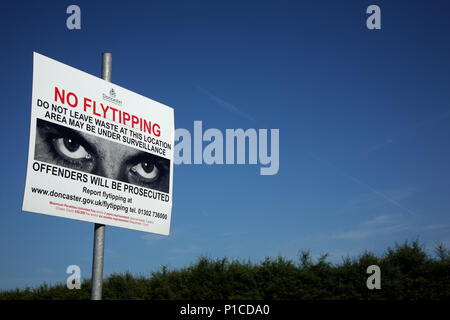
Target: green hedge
{"x": 407, "y": 273}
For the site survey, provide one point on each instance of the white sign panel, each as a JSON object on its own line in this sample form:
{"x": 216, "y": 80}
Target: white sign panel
{"x": 98, "y": 152}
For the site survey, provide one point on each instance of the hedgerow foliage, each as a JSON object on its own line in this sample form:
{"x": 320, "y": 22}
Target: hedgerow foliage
{"x": 407, "y": 273}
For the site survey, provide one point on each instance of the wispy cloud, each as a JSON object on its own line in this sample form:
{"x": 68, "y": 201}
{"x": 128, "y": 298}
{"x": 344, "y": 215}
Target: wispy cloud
{"x": 111, "y": 254}
{"x": 381, "y": 224}
{"x": 376, "y": 226}
{"x": 377, "y": 220}
{"x": 190, "y": 249}
{"x": 436, "y": 226}
{"x": 379, "y": 146}
{"x": 234, "y": 234}
{"x": 363, "y": 233}
{"x": 46, "y": 271}
{"x": 225, "y": 105}
{"x": 150, "y": 237}
{"x": 153, "y": 238}
{"x": 380, "y": 194}
{"x": 359, "y": 237}
{"x": 410, "y": 131}
{"x": 370, "y": 201}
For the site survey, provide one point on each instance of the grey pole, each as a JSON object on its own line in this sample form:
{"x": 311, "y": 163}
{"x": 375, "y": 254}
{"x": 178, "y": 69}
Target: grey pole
{"x": 99, "y": 229}
{"x": 106, "y": 66}
{"x": 97, "y": 262}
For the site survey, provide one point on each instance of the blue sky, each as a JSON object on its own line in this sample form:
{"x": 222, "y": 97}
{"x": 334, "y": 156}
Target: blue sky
{"x": 364, "y": 119}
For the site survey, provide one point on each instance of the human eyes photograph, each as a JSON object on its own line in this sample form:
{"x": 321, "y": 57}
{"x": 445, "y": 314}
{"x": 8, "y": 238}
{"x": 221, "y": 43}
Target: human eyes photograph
{"x": 225, "y": 159}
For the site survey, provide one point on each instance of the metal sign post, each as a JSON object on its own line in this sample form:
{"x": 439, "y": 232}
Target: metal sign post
{"x": 97, "y": 262}
{"x": 99, "y": 229}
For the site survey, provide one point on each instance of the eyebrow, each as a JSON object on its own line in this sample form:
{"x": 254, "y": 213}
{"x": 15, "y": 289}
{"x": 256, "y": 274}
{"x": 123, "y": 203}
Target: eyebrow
{"x": 64, "y": 131}
{"x": 143, "y": 156}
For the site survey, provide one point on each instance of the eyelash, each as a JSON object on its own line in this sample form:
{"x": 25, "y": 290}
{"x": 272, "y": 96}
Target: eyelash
{"x": 140, "y": 179}
{"x": 74, "y": 164}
